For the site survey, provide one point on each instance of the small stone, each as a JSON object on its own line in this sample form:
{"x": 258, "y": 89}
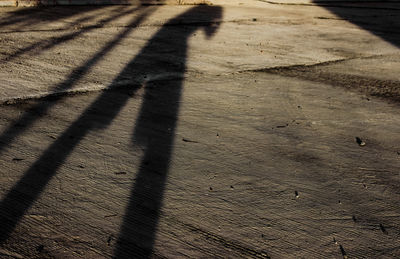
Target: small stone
{"x": 211, "y": 188}
{"x": 296, "y": 194}
{"x": 360, "y": 142}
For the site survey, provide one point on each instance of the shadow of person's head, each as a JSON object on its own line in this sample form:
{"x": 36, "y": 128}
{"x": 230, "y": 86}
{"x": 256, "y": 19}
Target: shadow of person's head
{"x": 206, "y": 17}
{"x": 214, "y": 14}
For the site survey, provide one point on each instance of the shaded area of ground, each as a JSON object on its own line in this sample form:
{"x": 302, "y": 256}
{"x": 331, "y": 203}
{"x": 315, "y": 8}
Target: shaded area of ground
{"x": 373, "y": 16}
{"x": 242, "y": 131}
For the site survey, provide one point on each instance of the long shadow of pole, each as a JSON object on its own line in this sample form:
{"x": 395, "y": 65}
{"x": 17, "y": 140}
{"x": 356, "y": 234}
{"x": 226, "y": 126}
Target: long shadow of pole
{"x": 33, "y": 15}
{"x": 155, "y": 126}
{"x": 21, "y": 197}
{"x": 39, "y": 109}
{"x": 45, "y": 44}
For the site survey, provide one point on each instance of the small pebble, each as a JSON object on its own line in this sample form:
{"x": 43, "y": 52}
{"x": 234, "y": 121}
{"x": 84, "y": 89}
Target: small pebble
{"x": 360, "y": 142}
{"x": 296, "y": 194}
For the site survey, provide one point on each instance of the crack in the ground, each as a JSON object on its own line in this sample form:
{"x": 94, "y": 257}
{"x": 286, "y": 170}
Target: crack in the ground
{"x": 49, "y": 96}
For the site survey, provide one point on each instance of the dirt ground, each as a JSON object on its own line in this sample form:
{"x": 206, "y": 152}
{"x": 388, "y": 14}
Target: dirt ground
{"x": 241, "y": 129}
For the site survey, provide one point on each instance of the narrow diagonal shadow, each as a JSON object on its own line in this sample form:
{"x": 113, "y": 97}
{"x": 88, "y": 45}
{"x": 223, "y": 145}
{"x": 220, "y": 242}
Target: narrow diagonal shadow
{"x": 45, "y": 44}
{"x": 29, "y": 187}
{"x": 41, "y": 108}
{"x": 27, "y": 16}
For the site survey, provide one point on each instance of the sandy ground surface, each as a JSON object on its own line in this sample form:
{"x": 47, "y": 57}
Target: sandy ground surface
{"x": 241, "y": 129}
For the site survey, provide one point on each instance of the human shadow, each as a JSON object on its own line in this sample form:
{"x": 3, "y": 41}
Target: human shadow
{"x": 155, "y": 126}
{"x": 378, "y": 17}
{"x": 164, "y": 55}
